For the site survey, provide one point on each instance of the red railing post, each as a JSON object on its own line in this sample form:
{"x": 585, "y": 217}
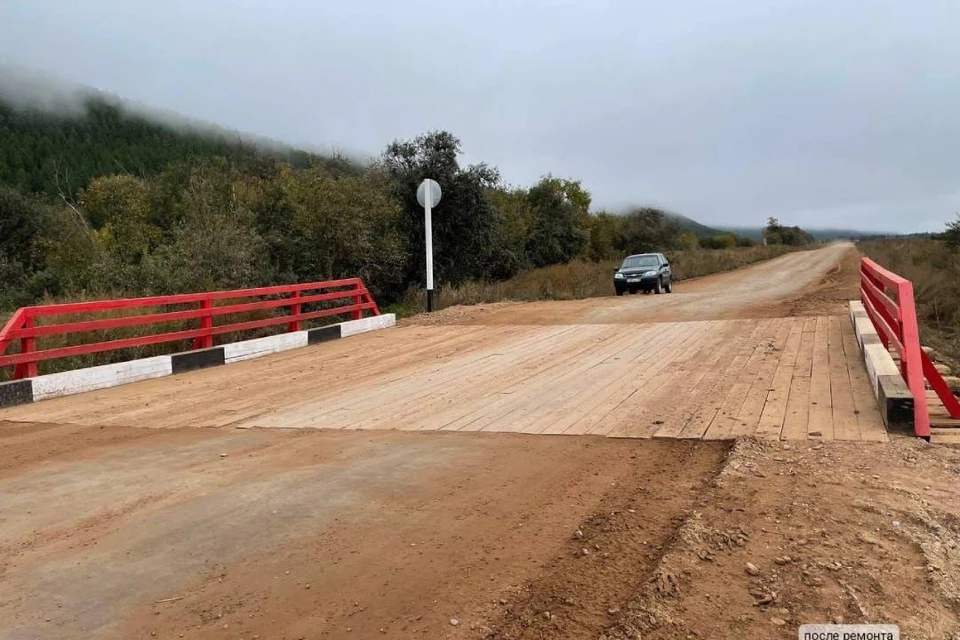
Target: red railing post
{"x": 205, "y": 341}
{"x": 357, "y": 313}
{"x": 294, "y": 311}
{"x": 27, "y": 345}
{"x": 910, "y": 358}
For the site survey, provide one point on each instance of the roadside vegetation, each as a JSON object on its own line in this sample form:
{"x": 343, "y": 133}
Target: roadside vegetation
{"x": 933, "y": 265}
{"x": 102, "y": 202}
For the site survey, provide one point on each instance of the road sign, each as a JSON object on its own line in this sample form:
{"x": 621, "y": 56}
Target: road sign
{"x": 435, "y": 193}
{"x": 428, "y": 194}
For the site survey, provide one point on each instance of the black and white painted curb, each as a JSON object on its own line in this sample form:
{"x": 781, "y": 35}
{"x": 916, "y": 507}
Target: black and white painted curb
{"x": 893, "y": 396}
{"x": 68, "y": 383}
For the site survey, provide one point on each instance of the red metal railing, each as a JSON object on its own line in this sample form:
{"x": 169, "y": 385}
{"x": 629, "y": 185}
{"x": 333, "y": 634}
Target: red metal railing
{"x": 895, "y": 317}
{"x": 30, "y": 323}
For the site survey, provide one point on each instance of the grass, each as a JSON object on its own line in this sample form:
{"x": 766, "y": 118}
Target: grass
{"x": 580, "y": 279}
{"x": 934, "y": 270}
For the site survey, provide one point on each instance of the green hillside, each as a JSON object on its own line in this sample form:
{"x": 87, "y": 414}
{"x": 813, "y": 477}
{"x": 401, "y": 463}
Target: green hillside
{"x": 45, "y": 152}
{"x": 689, "y": 224}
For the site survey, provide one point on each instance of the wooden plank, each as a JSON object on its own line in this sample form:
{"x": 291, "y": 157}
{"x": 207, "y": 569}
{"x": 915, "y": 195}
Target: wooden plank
{"x": 713, "y": 400}
{"x": 515, "y": 388}
{"x": 820, "y": 423}
{"x": 621, "y": 383}
{"x": 797, "y": 413}
{"x": 632, "y": 415}
{"x": 723, "y": 424}
{"x": 936, "y": 438}
{"x": 408, "y": 394}
{"x": 695, "y": 387}
{"x": 747, "y": 419}
{"x": 775, "y": 408}
{"x": 869, "y": 419}
{"x": 349, "y": 410}
{"x": 457, "y": 389}
{"x": 642, "y": 413}
{"x": 947, "y": 431}
{"x": 524, "y": 395}
{"x": 845, "y": 425}
{"x": 560, "y": 394}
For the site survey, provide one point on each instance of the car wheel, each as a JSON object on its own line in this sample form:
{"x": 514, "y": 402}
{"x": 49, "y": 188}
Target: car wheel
{"x": 619, "y": 292}
{"x": 658, "y": 288}
{"x": 669, "y": 287}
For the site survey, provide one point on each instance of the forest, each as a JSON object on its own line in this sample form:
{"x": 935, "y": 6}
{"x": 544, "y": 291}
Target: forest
{"x": 108, "y": 202}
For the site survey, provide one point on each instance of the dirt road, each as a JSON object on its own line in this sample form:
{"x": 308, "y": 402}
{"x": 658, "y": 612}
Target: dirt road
{"x": 755, "y": 291}
{"x": 125, "y": 533}
{"x": 121, "y": 518}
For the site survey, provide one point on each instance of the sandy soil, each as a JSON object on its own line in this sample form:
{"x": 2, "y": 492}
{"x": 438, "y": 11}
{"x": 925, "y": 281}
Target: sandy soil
{"x": 126, "y": 533}
{"x": 119, "y": 531}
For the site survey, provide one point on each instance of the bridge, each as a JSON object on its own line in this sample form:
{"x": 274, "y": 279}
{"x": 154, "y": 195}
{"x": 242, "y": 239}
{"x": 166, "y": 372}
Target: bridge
{"x": 672, "y": 366}
{"x": 399, "y": 479}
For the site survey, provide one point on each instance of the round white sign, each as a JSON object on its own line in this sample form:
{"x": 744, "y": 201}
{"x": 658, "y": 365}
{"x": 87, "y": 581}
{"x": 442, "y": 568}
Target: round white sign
{"x": 435, "y": 192}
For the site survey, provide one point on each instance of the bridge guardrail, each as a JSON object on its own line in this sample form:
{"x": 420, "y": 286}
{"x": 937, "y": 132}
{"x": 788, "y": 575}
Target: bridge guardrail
{"x": 888, "y": 299}
{"x": 30, "y": 323}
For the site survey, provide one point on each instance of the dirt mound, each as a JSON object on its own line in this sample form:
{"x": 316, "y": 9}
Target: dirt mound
{"x": 811, "y": 533}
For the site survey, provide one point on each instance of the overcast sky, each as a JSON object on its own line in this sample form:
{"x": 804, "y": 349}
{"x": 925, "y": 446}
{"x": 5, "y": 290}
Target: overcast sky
{"x": 823, "y": 113}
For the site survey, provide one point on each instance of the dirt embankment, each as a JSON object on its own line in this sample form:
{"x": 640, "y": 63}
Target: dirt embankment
{"x": 786, "y": 535}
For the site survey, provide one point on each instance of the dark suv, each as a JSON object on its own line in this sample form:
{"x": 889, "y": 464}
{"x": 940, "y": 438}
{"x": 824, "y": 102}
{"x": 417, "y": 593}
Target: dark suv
{"x": 643, "y": 272}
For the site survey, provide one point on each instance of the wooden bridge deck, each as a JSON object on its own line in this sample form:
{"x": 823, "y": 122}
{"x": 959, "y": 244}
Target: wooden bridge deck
{"x": 786, "y": 378}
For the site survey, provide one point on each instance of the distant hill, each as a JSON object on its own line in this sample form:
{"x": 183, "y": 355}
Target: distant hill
{"x": 689, "y": 224}
{"x": 756, "y": 233}
{"x": 62, "y": 142}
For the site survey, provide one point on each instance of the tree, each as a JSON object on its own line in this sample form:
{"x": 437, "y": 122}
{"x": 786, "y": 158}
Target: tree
{"x": 688, "y": 241}
{"x": 463, "y": 222}
{"x": 561, "y": 221}
{"x": 22, "y": 223}
{"x": 952, "y": 234}
{"x": 514, "y": 218}
{"x": 604, "y": 228}
{"x": 647, "y": 229}
{"x": 118, "y": 207}
{"x": 775, "y": 233}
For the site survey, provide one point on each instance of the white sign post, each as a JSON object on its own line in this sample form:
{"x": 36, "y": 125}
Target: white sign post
{"x": 428, "y": 195}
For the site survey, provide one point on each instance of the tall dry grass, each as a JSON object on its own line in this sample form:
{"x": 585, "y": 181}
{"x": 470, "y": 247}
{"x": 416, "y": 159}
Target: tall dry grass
{"x": 934, "y": 270}
{"x": 580, "y": 279}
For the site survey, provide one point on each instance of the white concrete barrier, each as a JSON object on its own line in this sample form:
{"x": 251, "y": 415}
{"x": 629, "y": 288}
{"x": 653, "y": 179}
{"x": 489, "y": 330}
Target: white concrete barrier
{"x": 111, "y": 375}
{"x": 893, "y": 396}
{"x": 101, "y": 377}
{"x": 353, "y": 327}
{"x": 238, "y": 351}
